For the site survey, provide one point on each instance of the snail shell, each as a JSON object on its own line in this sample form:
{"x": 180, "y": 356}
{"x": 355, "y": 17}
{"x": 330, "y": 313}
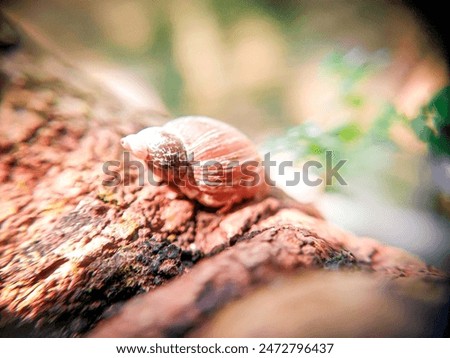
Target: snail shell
{"x": 208, "y": 160}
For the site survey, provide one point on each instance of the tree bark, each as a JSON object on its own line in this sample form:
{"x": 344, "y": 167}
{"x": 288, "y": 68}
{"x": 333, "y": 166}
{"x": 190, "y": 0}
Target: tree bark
{"x": 78, "y": 257}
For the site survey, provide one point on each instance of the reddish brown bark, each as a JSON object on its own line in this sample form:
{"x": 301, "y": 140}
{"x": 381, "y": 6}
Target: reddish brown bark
{"x": 73, "y": 251}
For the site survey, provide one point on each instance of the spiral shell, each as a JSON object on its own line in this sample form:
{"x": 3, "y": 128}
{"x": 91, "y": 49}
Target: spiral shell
{"x": 208, "y": 160}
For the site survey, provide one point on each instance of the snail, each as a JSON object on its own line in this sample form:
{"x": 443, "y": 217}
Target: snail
{"x": 207, "y": 160}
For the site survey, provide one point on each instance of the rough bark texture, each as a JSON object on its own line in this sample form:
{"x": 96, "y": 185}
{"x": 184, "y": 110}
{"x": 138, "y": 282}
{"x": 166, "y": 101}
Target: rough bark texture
{"x": 73, "y": 252}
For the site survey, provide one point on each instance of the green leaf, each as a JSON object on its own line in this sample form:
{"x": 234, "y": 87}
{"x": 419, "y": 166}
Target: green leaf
{"x": 349, "y": 132}
{"x": 419, "y": 126}
{"x": 354, "y": 100}
{"x": 439, "y": 104}
{"x": 439, "y": 145}
{"x": 383, "y": 123}
{"x": 435, "y": 134}
{"x": 315, "y": 148}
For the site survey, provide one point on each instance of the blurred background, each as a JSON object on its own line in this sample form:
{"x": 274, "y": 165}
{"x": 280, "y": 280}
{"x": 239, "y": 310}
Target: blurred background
{"x": 361, "y": 78}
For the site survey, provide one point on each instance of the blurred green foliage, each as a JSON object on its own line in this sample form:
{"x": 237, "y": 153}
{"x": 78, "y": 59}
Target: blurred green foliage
{"x": 365, "y": 148}
{"x": 432, "y": 125}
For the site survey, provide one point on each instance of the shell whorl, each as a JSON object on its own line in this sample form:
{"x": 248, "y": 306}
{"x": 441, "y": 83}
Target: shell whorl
{"x": 157, "y": 146}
